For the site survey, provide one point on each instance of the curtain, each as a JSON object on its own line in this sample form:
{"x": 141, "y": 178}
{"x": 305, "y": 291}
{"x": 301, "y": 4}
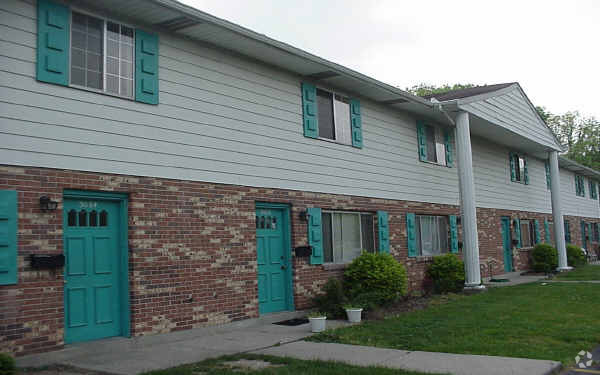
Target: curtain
{"x": 432, "y": 235}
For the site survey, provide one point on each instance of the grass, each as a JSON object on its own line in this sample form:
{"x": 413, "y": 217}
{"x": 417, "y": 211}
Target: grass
{"x": 552, "y": 321}
{"x": 587, "y": 272}
{"x": 282, "y": 366}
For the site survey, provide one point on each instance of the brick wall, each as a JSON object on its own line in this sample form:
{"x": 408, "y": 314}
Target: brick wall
{"x": 192, "y": 251}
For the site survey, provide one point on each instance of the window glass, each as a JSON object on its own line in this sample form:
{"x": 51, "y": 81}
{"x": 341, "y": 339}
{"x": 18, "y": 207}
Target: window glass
{"x": 431, "y": 144}
{"x": 526, "y": 233}
{"x": 109, "y": 70}
{"x": 440, "y": 146}
{"x": 325, "y": 110}
{"x": 86, "y": 51}
{"x": 345, "y": 235}
{"x": 432, "y": 235}
{"x": 368, "y": 242}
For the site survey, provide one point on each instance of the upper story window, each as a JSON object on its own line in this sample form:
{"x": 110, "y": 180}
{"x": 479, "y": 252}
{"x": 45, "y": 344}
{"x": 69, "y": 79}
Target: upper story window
{"x": 579, "y": 186}
{"x": 81, "y": 50}
{"x": 432, "y": 234}
{"x": 327, "y": 115}
{"x": 435, "y": 144}
{"x": 102, "y": 55}
{"x": 593, "y": 189}
{"x": 334, "y": 117}
{"x": 346, "y": 235}
{"x": 518, "y": 168}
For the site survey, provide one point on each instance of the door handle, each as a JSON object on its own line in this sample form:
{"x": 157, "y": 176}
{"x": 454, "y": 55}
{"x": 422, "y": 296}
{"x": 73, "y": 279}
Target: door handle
{"x": 64, "y": 281}
{"x": 283, "y": 267}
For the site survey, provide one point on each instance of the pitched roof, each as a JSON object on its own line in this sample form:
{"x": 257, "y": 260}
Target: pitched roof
{"x": 472, "y": 91}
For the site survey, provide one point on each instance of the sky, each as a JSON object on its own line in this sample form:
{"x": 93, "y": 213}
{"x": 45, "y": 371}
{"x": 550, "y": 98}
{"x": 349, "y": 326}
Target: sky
{"x": 552, "y": 48}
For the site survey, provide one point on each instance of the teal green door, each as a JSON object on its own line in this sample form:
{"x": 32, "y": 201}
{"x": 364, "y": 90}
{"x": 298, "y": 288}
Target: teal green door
{"x": 507, "y": 244}
{"x": 273, "y": 255}
{"x": 92, "y": 269}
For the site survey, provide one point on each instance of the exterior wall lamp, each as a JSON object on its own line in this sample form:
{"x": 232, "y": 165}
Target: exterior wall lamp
{"x": 47, "y": 204}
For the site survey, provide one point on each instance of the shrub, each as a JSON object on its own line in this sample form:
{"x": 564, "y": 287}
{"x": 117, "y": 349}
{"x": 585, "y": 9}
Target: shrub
{"x": 332, "y": 299}
{"x": 7, "y": 365}
{"x": 575, "y": 256}
{"x": 375, "y": 279}
{"x": 544, "y": 258}
{"x": 447, "y": 273}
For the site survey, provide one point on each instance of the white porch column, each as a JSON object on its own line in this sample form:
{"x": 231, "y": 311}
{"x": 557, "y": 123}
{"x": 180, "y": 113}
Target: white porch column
{"x": 467, "y": 199}
{"x": 559, "y": 224}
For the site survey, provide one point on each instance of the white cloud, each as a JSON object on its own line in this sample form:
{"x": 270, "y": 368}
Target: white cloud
{"x": 550, "y": 47}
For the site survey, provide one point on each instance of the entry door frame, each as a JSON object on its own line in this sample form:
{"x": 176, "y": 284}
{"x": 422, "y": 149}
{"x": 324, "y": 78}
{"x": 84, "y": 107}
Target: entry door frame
{"x": 122, "y": 199}
{"x": 505, "y": 226}
{"x": 287, "y": 251}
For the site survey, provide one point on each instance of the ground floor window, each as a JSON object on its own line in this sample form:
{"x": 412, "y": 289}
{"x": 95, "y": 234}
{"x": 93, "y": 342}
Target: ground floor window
{"x": 596, "y": 232}
{"x": 527, "y": 233}
{"x": 346, "y": 235}
{"x": 432, "y": 234}
{"x": 551, "y": 227}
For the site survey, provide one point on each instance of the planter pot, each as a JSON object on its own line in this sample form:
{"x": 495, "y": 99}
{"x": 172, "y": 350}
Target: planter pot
{"x": 354, "y": 315}
{"x": 317, "y": 324}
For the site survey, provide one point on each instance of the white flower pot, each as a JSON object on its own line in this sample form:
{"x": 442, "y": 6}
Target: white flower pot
{"x": 317, "y": 324}
{"x": 354, "y": 315}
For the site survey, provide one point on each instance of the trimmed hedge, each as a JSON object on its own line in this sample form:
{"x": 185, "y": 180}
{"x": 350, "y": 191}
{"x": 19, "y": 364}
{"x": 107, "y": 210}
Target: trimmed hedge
{"x": 7, "y": 365}
{"x": 575, "y": 256}
{"x": 447, "y": 273}
{"x": 544, "y": 258}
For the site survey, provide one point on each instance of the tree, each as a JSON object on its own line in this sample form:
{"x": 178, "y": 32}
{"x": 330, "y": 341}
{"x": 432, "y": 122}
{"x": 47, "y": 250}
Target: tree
{"x": 423, "y": 89}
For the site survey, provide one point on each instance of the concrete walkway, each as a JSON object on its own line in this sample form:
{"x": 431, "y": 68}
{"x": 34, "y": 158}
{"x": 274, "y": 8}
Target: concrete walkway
{"x": 129, "y": 356}
{"x": 441, "y": 363}
{"x": 515, "y": 278}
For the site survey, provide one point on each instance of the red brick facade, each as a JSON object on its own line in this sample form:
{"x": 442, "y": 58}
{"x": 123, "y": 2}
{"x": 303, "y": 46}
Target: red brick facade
{"x": 192, "y": 251}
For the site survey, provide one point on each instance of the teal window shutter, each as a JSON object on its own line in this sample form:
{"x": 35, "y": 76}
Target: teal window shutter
{"x": 449, "y": 149}
{"x": 582, "y": 232}
{"x": 548, "y": 179}
{"x": 383, "y": 230}
{"x": 315, "y": 235}
{"x": 356, "y": 123}
{"x": 567, "y": 232}
{"x": 411, "y": 234}
{"x": 8, "y": 237}
{"x": 146, "y": 67}
{"x": 309, "y": 110}
{"x": 453, "y": 234}
{"x": 517, "y": 224}
{"x": 547, "y": 231}
{"x": 536, "y": 225}
{"x": 422, "y": 140}
{"x": 53, "y": 43}
{"x": 525, "y": 172}
{"x": 513, "y": 166}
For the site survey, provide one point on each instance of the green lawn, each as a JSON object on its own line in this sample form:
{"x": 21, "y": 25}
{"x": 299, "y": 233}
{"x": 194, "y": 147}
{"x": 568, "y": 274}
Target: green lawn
{"x": 587, "y": 272}
{"x": 282, "y": 366}
{"x": 552, "y": 321}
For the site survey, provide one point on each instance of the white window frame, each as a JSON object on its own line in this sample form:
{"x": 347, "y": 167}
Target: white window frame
{"x": 105, "y": 20}
{"x": 360, "y": 214}
{"x": 337, "y": 132}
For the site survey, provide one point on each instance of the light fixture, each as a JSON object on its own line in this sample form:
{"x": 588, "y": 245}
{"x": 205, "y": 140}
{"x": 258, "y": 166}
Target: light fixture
{"x": 47, "y": 204}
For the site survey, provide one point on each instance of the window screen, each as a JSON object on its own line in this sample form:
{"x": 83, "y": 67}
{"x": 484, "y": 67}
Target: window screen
{"x": 325, "y": 109}
{"x": 346, "y": 235}
{"x": 343, "y": 131}
{"x": 119, "y": 59}
{"x": 431, "y": 147}
{"x": 432, "y": 235}
{"x": 87, "y": 51}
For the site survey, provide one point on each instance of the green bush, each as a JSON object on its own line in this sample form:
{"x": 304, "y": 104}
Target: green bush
{"x": 575, "y": 256}
{"x": 332, "y": 299}
{"x": 447, "y": 273}
{"x": 375, "y": 279}
{"x": 7, "y": 365}
{"x": 544, "y": 258}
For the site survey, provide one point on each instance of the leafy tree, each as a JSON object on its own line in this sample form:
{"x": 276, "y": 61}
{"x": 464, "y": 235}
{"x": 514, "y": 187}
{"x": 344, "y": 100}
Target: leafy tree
{"x": 423, "y": 89}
